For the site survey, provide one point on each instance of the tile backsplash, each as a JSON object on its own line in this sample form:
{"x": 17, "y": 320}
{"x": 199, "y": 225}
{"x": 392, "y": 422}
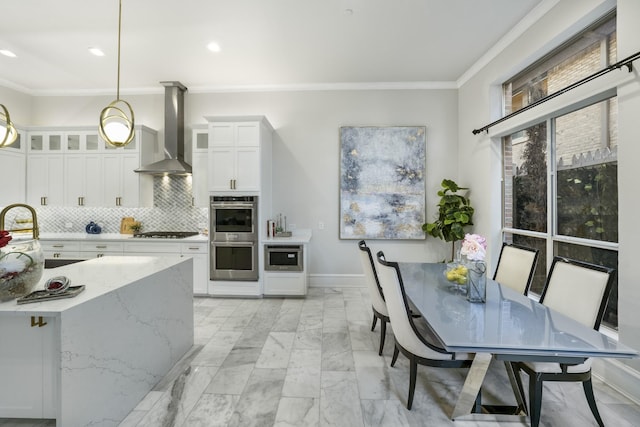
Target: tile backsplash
{"x": 172, "y": 211}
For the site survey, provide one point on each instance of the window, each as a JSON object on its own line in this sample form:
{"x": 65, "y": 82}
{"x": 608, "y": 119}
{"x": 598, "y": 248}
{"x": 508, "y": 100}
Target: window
{"x": 560, "y": 175}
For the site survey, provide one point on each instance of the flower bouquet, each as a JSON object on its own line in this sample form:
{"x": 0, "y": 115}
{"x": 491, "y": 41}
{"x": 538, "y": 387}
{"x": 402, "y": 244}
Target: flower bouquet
{"x": 474, "y": 251}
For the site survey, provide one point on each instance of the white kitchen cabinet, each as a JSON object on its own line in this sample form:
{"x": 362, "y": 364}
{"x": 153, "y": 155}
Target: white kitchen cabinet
{"x": 239, "y": 150}
{"x": 82, "y": 180}
{"x": 60, "y": 249}
{"x": 27, "y": 358}
{"x": 199, "y": 253}
{"x": 45, "y": 179}
{"x": 13, "y": 169}
{"x": 200, "y": 166}
{"x": 121, "y": 185}
{"x": 99, "y": 249}
{"x": 280, "y": 284}
{"x": 78, "y": 141}
{"x": 197, "y": 250}
{"x": 45, "y": 141}
{"x": 76, "y": 167}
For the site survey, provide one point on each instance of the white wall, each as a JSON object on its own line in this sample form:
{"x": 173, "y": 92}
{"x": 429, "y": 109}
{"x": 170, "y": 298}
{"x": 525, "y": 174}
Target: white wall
{"x": 479, "y": 159}
{"x": 306, "y": 151}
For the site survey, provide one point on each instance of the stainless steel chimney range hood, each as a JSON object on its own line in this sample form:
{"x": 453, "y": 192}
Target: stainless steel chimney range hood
{"x": 174, "y": 163}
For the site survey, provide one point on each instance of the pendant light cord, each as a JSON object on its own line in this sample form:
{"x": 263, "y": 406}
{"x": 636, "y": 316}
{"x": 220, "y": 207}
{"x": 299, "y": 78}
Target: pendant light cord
{"x": 119, "y": 31}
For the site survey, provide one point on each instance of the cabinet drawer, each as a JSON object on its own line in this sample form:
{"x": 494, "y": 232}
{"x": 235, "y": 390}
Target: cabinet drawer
{"x": 59, "y": 246}
{"x": 101, "y": 247}
{"x": 142, "y": 247}
{"x": 193, "y": 248}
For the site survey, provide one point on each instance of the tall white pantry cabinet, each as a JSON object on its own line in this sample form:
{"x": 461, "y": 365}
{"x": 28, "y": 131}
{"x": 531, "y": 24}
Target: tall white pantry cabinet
{"x": 239, "y": 163}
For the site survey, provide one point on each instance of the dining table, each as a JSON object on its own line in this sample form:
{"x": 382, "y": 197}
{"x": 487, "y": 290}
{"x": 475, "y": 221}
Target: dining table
{"x": 508, "y": 326}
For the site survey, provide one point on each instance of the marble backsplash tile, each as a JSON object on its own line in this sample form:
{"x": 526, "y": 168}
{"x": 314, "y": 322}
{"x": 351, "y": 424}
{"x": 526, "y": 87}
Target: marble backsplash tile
{"x": 172, "y": 211}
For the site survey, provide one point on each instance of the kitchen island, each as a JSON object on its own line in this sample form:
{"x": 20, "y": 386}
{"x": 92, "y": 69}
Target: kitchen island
{"x": 90, "y": 359}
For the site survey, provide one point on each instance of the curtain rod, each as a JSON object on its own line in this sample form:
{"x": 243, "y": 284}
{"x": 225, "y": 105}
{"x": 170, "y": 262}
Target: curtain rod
{"x": 627, "y": 62}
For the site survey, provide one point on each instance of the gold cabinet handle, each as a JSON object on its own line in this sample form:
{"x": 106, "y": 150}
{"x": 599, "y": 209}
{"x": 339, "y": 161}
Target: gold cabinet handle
{"x": 40, "y": 323}
{"x": 43, "y": 201}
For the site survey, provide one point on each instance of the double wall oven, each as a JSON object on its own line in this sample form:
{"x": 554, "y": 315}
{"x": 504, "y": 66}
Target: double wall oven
{"x": 233, "y": 236}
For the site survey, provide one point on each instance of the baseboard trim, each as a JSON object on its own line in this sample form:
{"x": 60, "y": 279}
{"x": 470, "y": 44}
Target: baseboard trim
{"x": 336, "y": 280}
{"x": 619, "y": 376}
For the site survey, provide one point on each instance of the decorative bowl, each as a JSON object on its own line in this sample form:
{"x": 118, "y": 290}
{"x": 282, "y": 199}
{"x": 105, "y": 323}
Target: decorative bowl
{"x": 21, "y": 267}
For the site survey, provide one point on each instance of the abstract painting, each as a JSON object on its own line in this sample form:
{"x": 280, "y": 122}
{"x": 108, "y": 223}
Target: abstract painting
{"x": 382, "y": 182}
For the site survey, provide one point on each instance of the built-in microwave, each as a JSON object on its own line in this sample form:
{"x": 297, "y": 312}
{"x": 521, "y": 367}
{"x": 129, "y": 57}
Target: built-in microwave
{"x": 283, "y": 258}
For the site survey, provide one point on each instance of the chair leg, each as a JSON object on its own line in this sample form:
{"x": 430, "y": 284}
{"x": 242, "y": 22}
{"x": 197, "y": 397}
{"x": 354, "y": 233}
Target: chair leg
{"x": 375, "y": 320}
{"x": 413, "y": 368}
{"x": 588, "y": 392}
{"x": 535, "y": 399}
{"x": 395, "y": 355}
{"x": 383, "y": 334}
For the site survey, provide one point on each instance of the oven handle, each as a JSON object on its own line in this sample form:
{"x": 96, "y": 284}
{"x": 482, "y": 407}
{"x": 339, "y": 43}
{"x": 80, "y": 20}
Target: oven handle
{"x": 232, "y": 205}
{"x": 238, "y": 244}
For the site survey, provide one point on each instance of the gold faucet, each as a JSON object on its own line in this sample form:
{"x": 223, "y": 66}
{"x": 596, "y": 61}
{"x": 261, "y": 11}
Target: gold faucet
{"x": 34, "y": 229}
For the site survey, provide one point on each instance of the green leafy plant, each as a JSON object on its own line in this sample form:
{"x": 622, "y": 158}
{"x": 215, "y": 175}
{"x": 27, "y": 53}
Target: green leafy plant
{"x": 454, "y": 213}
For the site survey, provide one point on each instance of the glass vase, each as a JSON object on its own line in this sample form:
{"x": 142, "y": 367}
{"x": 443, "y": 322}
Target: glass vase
{"x": 476, "y": 281}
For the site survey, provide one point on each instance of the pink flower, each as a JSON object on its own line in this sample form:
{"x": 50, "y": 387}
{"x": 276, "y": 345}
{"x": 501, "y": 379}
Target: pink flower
{"x": 4, "y": 238}
{"x": 474, "y": 247}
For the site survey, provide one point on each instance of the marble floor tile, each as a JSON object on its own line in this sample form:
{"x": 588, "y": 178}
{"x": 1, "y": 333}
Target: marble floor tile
{"x": 276, "y": 351}
{"x": 216, "y": 350}
{"x": 258, "y": 404}
{"x": 292, "y": 362}
{"x": 308, "y": 339}
{"x": 303, "y": 374}
{"x": 336, "y": 352}
{"x": 230, "y": 380}
{"x": 212, "y": 410}
{"x": 339, "y": 400}
{"x": 384, "y": 413}
{"x": 298, "y": 411}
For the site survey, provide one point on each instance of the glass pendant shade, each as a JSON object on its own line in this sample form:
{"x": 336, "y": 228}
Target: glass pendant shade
{"x": 116, "y": 119}
{"x": 8, "y": 133}
{"x": 117, "y": 123}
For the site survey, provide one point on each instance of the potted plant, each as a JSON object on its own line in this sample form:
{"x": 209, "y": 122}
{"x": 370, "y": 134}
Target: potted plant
{"x": 454, "y": 213}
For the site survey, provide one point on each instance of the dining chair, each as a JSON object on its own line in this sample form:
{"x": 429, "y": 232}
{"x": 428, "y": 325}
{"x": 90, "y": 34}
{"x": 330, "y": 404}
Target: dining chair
{"x": 378, "y": 304}
{"x": 580, "y": 291}
{"x": 516, "y": 266}
{"x": 408, "y": 339}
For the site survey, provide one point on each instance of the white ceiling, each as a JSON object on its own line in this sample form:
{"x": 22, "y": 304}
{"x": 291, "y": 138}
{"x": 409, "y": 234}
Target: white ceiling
{"x": 265, "y": 43}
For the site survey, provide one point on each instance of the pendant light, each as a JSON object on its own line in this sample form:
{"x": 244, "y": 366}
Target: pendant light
{"x": 116, "y": 119}
{"x": 8, "y": 133}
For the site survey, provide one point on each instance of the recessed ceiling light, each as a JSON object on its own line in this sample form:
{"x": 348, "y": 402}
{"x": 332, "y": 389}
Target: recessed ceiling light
{"x": 213, "y": 47}
{"x": 8, "y": 53}
{"x": 96, "y": 51}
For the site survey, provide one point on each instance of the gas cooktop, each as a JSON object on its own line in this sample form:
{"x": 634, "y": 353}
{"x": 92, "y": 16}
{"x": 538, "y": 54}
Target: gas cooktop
{"x": 165, "y": 234}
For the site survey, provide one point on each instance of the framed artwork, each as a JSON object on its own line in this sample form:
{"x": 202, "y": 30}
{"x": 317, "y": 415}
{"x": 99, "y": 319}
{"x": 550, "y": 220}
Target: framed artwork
{"x": 382, "y": 182}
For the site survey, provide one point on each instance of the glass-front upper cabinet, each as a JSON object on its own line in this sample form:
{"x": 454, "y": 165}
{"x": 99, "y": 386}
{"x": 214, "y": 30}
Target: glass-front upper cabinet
{"x": 82, "y": 142}
{"x": 45, "y": 142}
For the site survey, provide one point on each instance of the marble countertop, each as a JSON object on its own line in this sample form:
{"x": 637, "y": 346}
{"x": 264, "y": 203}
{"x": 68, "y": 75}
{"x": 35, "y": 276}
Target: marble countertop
{"x": 302, "y": 236}
{"x": 117, "y": 237}
{"x": 99, "y": 275}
